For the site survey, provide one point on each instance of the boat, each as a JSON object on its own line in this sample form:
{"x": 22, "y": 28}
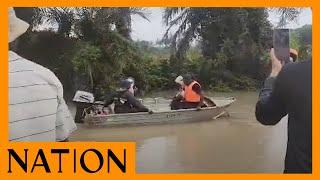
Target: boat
{"x": 160, "y": 117}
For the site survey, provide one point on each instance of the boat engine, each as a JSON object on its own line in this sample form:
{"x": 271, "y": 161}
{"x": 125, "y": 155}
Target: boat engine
{"x": 82, "y": 100}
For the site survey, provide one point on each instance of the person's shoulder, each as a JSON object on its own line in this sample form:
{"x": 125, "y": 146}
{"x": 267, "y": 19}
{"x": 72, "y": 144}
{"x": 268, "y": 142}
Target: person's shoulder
{"x": 122, "y": 93}
{"x": 18, "y": 63}
{"x": 127, "y": 94}
{"x": 297, "y": 64}
{"x": 297, "y": 67}
{"x": 23, "y": 63}
{"x": 196, "y": 85}
{"x": 293, "y": 73}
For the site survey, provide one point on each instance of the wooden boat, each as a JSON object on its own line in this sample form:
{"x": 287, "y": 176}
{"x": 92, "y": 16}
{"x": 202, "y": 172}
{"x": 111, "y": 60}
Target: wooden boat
{"x": 160, "y": 117}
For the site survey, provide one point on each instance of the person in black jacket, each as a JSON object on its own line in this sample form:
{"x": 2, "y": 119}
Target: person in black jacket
{"x": 125, "y": 102}
{"x": 287, "y": 91}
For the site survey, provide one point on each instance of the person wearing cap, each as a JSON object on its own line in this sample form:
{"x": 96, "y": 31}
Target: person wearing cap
{"x": 293, "y": 55}
{"x": 179, "y": 80}
{"x": 37, "y": 110}
{"x": 190, "y": 95}
{"x": 125, "y": 101}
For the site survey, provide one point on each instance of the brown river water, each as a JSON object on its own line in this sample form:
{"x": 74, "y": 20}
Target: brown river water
{"x": 234, "y": 144}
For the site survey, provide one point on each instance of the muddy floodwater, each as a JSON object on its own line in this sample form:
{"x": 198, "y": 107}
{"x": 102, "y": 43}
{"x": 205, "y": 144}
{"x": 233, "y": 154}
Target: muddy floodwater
{"x": 234, "y": 144}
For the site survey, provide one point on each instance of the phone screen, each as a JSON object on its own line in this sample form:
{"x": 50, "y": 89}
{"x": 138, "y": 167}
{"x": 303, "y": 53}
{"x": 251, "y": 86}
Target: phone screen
{"x": 281, "y": 44}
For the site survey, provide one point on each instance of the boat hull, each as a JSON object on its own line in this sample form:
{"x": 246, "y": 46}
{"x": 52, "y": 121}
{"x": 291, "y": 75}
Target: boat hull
{"x": 143, "y": 118}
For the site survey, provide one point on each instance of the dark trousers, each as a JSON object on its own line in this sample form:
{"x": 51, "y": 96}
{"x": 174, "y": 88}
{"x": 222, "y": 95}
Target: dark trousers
{"x": 118, "y": 109}
{"x": 177, "y": 104}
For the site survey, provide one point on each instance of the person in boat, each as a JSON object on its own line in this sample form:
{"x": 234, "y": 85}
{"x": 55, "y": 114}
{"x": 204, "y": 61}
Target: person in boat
{"x": 125, "y": 101}
{"x": 179, "y": 81}
{"x": 190, "y": 95}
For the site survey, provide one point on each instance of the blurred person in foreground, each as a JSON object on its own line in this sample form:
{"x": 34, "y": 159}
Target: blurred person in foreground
{"x": 287, "y": 91}
{"x": 37, "y": 110}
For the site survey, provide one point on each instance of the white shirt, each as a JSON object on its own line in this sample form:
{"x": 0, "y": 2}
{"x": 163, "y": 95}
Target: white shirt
{"x": 37, "y": 110}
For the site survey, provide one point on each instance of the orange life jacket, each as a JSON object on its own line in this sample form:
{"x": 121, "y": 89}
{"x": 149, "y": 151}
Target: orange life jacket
{"x": 190, "y": 95}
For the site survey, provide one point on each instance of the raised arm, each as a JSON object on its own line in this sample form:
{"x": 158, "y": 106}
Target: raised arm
{"x": 271, "y": 107}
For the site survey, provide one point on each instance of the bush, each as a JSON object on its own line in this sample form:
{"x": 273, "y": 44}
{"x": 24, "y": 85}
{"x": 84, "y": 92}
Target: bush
{"x": 87, "y": 61}
{"x": 242, "y": 82}
{"x": 220, "y": 87}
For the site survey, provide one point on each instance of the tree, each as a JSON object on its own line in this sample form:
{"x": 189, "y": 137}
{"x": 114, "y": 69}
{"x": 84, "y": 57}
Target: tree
{"x": 87, "y": 60}
{"x": 301, "y": 40}
{"x": 286, "y": 15}
{"x": 102, "y": 41}
{"x": 236, "y": 35}
{"x": 187, "y": 21}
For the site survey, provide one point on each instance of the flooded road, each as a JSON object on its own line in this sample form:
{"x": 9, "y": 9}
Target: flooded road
{"x": 235, "y": 144}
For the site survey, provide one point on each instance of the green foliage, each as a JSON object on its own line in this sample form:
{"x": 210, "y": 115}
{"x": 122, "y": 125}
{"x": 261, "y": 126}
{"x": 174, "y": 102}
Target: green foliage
{"x": 294, "y": 41}
{"x": 86, "y": 57}
{"x": 231, "y": 39}
{"x": 242, "y": 82}
{"x": 87, "y": 60}
{"x": 220, "y": 87}
{"x": 160, "y": 76}
{"x": 301, "y": 40}
{"x": 93, "y": 48}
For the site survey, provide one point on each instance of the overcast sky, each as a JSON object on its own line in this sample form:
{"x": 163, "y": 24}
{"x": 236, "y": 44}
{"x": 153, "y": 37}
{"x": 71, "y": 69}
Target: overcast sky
{"x": 154, "y": 30}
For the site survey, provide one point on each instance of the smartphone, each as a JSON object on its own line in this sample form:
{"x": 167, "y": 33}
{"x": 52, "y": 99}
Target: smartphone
{"x": 281, "y": 45}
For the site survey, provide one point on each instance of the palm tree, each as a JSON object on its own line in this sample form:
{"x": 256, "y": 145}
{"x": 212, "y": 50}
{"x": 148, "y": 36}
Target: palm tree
{"x": 187, "y": 22}
{"x": 286, "y": 15}
{"x": 64, "y": 18}
{"x": 118, "y": 18}
{"x": 190, "y": 23}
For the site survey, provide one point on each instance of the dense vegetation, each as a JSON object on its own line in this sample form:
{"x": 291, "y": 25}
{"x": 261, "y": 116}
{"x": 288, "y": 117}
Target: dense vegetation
{"x": 91, "y": 48}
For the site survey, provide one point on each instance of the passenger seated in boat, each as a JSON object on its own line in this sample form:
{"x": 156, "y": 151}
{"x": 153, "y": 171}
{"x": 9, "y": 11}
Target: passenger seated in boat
{"x": 180, "y": 94}
{"x": 190, "y": 95}
{"x": 125, "y": 102}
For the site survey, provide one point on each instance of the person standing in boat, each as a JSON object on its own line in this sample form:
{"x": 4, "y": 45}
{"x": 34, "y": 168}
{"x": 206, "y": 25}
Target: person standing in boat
{"x": 190, "y": 95}
{"x": 125, "y": 101}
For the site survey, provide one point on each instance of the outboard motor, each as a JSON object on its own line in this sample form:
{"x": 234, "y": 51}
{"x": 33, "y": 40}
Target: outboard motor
{"x": 83, "y": 100}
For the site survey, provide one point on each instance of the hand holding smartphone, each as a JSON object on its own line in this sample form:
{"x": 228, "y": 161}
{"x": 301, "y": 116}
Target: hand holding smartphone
{"x": 281, "y": 45}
